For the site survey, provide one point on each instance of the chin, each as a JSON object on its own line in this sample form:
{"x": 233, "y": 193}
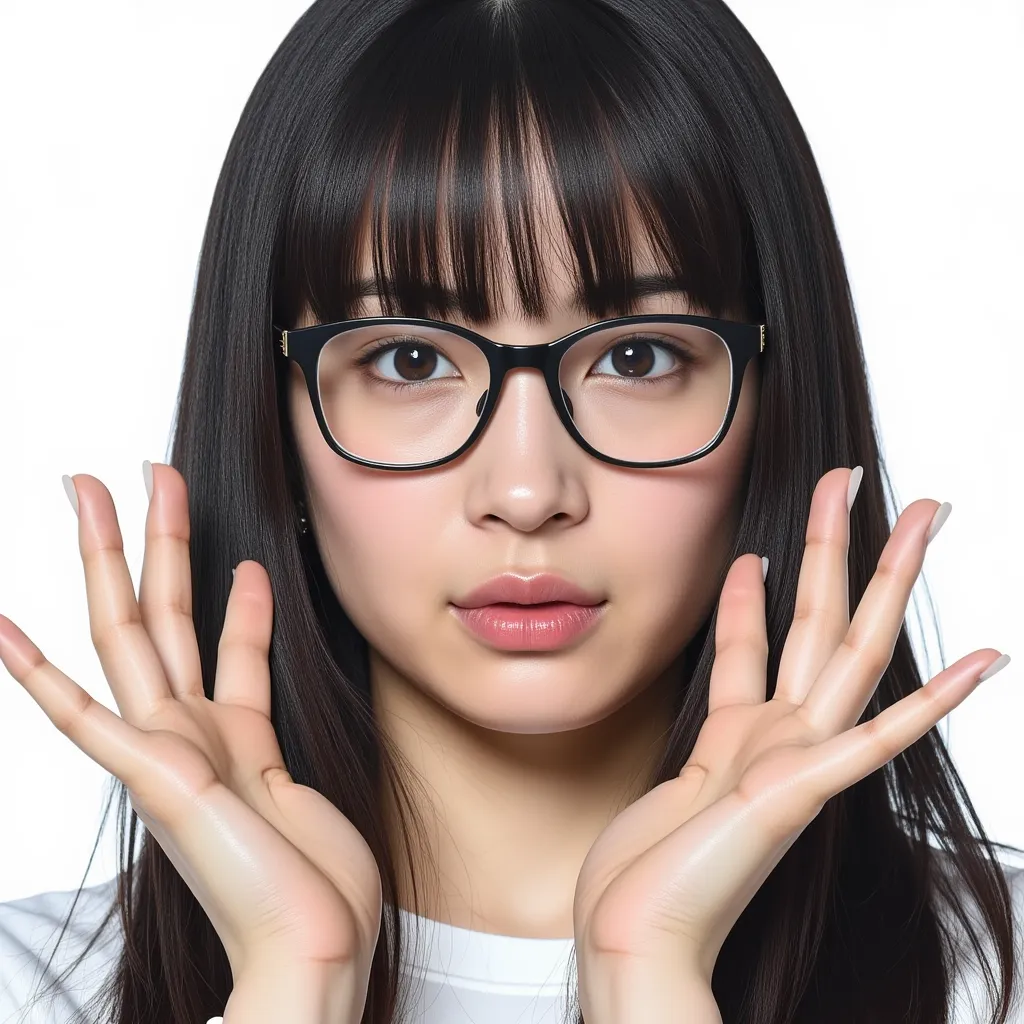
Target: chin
{"x": 533, "y": 696}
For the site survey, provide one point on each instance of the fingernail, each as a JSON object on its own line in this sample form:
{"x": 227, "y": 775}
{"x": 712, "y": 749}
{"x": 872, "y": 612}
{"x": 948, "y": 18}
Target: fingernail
{"x": 233, "y": 570}
{"x": 69, "y": 487}
{"x": 854, "y": 486}
{"x": 764, "y": 568}
{"x": 147, "y": 476}
{"x": 1000, "y": 663}
{"x": 941, "y": 515}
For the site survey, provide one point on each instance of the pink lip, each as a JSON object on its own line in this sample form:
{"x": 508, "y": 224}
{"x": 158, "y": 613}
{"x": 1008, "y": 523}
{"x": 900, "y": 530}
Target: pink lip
{"x": 536, "y": 613}
{"x": 537, "y": 627}
{"x": 540, "y": 589}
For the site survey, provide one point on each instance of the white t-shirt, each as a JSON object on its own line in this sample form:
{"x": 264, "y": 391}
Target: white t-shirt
{"x": 458, "y": 976}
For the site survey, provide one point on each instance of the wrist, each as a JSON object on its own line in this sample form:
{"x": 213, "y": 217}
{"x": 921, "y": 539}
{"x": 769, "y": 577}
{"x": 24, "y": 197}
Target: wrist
{"x": 644, "y": 993}
{"x": 268, "y": 993}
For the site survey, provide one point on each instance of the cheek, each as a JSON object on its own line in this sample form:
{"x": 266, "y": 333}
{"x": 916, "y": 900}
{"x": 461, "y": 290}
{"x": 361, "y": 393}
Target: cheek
{"x": 378, "y": 534}
{"x": 666, "y": 562}
{"x": 385, "y": 537}
{"x": 672, "y": 555}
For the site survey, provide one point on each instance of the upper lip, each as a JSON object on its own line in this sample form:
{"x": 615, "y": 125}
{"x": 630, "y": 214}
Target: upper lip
{"x": 512, "y": 589}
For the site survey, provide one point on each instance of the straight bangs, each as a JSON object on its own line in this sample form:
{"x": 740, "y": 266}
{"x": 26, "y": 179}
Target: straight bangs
{"x": 443, "y": 133}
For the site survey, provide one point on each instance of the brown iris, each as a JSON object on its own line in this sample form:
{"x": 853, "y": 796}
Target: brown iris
{"x": 415, "y": 362}
{"x": 633, "y": 358}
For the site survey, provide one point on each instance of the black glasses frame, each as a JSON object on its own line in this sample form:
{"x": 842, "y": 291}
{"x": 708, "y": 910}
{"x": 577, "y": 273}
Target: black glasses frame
{"x": 744, "y": 341}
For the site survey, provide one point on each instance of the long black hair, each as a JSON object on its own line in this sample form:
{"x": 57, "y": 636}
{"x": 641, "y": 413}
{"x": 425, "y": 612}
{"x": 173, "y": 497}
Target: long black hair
{"x": 371, "y": 118}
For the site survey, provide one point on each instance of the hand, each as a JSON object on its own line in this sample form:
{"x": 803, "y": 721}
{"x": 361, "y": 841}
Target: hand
{"x": 665, "y": 882}
{"x": 283, "y": 876}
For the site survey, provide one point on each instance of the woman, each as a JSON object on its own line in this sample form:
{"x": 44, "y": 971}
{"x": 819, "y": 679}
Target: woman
{"x": 369, "y": 765}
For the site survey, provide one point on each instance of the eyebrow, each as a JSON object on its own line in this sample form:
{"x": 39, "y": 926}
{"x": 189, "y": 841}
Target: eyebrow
{"x": 639, "y": 287}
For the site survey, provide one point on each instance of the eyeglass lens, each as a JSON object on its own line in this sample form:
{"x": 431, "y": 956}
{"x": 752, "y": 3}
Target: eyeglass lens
{"x": 400, "y": 394}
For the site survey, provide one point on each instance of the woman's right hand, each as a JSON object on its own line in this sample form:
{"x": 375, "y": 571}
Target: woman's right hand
{"x": 283, "y": 875}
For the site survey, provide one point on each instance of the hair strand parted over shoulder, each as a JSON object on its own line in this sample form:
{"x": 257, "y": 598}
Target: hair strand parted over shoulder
{"x": 412, "y": 124}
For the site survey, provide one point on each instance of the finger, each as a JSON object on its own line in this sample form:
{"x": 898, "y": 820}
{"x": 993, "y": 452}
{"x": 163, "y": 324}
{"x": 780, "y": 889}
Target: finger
{"x": 243, "y": 654}
{"x": 165, "y": 588}
{"x": 717, "y": 858}
{"x": 822, "y": 613}
{"x": 110, "y": 741}
{"x": 739, "y": 672}
{"x": 842, "y": 760}
{"x": 199, "y": 822}
{"x": 844, "y": 686}
{"x": 129, "y": 660}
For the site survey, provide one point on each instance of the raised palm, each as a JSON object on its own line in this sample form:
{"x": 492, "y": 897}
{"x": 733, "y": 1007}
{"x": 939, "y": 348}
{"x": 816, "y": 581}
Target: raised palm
{"x": 279, "y": 870}
{"x": 668, "y": 878}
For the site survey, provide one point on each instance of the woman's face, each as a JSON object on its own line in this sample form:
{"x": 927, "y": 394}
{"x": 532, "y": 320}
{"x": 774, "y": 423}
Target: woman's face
{"x": 401, "y": 547}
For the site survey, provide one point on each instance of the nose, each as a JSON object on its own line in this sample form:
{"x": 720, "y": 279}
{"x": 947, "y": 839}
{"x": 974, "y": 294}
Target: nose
{"x": 525, "y": 470}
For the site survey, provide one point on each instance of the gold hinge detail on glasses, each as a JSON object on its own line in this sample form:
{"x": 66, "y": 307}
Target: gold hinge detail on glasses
{"x": 762, "y": 337}
{"x": 284, "y": 341}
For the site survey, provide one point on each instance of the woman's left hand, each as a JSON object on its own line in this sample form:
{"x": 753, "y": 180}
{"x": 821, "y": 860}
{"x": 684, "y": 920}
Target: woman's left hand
{"x": 666, "y": 881}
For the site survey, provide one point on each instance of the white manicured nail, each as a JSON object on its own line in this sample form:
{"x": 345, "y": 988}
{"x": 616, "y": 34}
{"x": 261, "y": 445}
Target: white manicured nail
{"x": 941, "y": 515}
{"x": 764, "y": 568}
{"x": 147, "y": 476}
{"x": 1000, "y": 663}
{"x": 69, "y": 487}
{"x": 854, "y": 486}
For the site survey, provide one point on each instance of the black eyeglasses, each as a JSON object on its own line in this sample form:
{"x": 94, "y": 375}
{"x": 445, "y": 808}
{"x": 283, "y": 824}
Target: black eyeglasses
{"x": 645, "y": 391}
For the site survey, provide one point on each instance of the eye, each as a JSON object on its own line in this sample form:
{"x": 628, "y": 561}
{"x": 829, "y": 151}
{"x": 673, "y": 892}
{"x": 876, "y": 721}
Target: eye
{"x": 639, "y": 357}
{"x": 409, "y": 361}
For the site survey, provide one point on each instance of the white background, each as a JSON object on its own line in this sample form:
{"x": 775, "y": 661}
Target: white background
{"x": 115, "y": 117}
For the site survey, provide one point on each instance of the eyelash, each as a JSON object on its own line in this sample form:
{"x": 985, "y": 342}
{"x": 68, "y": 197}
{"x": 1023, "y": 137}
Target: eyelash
{"x": 384, "y": 344}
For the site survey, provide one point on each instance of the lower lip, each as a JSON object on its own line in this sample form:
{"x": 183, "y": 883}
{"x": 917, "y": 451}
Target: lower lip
{"x": 534, "y": 627}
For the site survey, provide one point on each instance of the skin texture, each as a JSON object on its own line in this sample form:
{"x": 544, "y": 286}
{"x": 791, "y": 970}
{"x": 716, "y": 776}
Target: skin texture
{"x": 287, "y": 882}
{"x": 526, "y": 756}
{"x": 527, "y": 760}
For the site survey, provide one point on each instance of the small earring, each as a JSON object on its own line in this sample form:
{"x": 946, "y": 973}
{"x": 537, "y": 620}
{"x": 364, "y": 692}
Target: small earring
{"x": 303, "y": 521}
